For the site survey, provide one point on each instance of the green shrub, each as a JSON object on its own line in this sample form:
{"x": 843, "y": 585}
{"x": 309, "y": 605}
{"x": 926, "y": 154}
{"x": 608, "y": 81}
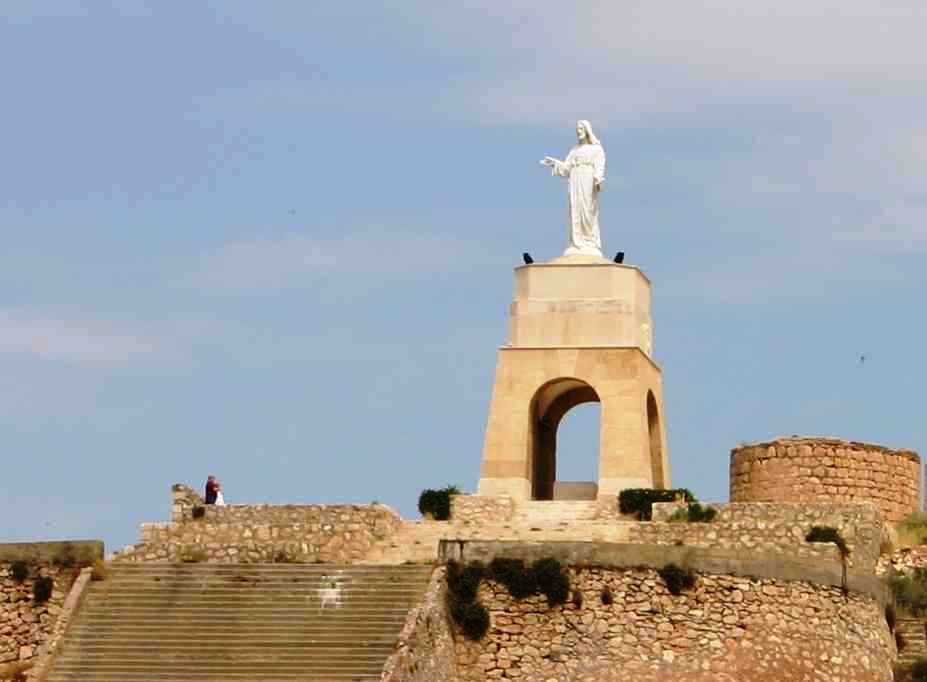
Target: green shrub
{"x": 828, "y": 534}
{"x": 463, "y": 584}
{"x": 437, "y": 502}
{"x": 551, "y": 580}
{"x": 19, "y": 570}
{"x": 607, "y": 597}
{"x": 694, "y": 513}
{"x": 700, "y": 514}
{"x": 473, "y": 619}
{"x": 640, "y": 500}
{"x": 910, "y": 592}
{"x": 912, "y": 530}
{"x": 42, "y": 589}
{"x": 577, "y": 599}
{"x": 464, "y": 581}
{"x": 518, "y": 580}
{"x": 677, "y": 579}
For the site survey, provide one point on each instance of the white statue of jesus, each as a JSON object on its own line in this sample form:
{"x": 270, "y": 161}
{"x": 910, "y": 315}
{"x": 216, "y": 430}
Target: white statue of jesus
{"x": 585, "y": 168}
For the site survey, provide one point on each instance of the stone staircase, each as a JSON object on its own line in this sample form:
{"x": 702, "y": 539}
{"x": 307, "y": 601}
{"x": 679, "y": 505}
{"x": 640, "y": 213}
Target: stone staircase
{"x": 541, "y": 521}
{"x": 914, "y": 632}
{"x": 162, "y": 622}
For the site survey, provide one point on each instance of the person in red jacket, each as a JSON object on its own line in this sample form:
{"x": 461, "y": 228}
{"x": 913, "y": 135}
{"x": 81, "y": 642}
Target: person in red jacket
{"x": 212, "y": 489}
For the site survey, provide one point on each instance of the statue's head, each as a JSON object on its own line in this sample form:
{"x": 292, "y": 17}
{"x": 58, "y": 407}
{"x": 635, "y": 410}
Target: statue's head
{"x": 584, "y": 132}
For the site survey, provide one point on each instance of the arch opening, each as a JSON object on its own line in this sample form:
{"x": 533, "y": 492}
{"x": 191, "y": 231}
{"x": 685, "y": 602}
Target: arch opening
{"x": 656, "y": 442}
{"x": 548, "y": 408}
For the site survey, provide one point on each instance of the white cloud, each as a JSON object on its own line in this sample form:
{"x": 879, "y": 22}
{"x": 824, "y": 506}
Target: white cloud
{"x": 70, "y": 337}
{"x": 294, "y": 261}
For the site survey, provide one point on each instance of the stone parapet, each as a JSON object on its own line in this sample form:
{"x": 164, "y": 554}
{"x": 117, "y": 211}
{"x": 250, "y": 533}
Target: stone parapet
{"x": 481, "y": 509}
{"x": 52, "y": 644}
{"x": 772, "y": 529}
{"x": 267, "y": 533}
{"x": 825, "y": 469}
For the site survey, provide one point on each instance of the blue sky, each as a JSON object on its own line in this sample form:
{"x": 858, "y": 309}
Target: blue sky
{"x": 274, "y": 241}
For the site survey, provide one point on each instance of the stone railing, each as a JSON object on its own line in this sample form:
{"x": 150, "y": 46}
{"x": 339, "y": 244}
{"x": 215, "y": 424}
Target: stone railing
{"x": 826, "y": 469}
{"x": 52, "y": 645}
{"x": 425, "y": 651}
{"x": 263, "y": 533}
{"x": 772, "y": 529}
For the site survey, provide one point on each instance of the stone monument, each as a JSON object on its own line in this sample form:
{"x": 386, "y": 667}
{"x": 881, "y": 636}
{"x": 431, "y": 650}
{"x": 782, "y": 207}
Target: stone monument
{"x": 580, "y": 331}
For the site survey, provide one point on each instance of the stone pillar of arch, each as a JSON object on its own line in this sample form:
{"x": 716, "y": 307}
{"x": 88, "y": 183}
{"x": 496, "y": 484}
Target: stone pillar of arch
{"x": 580, "y": 331}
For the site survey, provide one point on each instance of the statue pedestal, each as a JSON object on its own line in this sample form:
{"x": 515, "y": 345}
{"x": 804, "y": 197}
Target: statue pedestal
{"x": 580, "y": 331}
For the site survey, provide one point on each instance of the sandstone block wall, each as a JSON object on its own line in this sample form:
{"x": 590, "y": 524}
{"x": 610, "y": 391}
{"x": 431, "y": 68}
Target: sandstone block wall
{"x": 726, "y": 629}
{"x": 481, "y": 509}
{"x": 772, "y": 529}
{"x": 25, "y": 625}
{"x": 267, "y": 533}
{"x": 823, "y": 469}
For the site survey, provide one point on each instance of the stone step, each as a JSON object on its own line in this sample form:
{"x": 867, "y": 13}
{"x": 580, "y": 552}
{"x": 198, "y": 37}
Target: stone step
{"x": 171, "y": 622}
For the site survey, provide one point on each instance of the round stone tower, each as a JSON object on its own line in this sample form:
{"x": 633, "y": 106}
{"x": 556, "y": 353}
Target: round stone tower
{"x": 827, "y": 470}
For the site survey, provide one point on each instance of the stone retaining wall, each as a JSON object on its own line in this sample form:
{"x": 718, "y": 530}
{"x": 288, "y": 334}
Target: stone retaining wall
{"x": 726, "y": 629}
{"x": 772, "y": 529}
{"x": 824, "y": 469}
{"x": 25, "y": 625}
{"x": 425, "y": 651}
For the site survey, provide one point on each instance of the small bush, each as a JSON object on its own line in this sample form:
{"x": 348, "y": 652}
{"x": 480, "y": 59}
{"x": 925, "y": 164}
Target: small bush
{"x": 42, "y": 589}
{"x": 437, "y": 502}
{"x": 828, "y": 534}
{"x": 518, "y": 580}
{"x": 607, "y": 597}
{"x": 198, "y": 512}
{"x": 640, "y": 500}
{"x": 551, "y": 580}
{"x": 910, "y": 592}
{"x": 19, "y": 570}
{"x": 694, "y": 513}
{"x": 577, "y": 599}
{"x": 473, "y": 619}
{"x": 464, "y": 581}
{"x": 677, "y": 579}
{"x": 99, "y": 571}
{"x": 700, "y": 514}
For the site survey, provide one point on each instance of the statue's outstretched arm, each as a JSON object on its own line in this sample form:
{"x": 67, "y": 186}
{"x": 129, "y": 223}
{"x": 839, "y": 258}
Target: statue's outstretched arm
{"x": 557, "y": 167}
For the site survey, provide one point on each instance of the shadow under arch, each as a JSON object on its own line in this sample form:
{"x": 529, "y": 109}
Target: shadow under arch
{"x": 548, "y": 406}
{"x": 656, "y": 442}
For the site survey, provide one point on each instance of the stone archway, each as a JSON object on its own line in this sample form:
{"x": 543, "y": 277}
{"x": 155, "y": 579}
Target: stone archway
{"x": 550, "y": 403}
{"x": 656, "y": 442}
